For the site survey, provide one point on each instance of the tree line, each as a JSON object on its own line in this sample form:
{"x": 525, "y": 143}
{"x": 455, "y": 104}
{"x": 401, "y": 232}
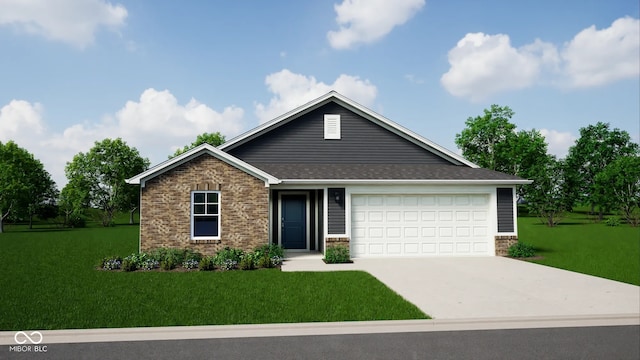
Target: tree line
{"x": 96, "y": 180}
{"x": 601, "y": 169}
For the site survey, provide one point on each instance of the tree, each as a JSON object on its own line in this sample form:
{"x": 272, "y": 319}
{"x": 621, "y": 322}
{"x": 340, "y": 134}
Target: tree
{"x": 215, "y": 139}
{"x": 73, "y": 200}
{"x": 597, "y": 147}
{"x": 101, "y": 174}
{"x": 619, "y": 184}
{"x": 24, "y": 183}
{"x": 485, "y": 137}
{"x": 549, "y": 196}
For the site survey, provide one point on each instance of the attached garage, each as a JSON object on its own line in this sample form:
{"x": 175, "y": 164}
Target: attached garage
{"x": 416, "y": 225}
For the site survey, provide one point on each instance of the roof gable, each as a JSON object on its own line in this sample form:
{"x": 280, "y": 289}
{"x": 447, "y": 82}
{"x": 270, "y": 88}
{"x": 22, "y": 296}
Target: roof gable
{"x": 174, "y": 162}
{"x": 394, "y": 140}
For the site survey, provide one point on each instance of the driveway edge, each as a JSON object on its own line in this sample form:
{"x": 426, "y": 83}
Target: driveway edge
{"x": 309, "y": 329}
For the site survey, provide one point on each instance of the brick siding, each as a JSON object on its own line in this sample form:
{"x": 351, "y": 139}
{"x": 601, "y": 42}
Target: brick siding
{"x": 503, "y": 242}
{"x": 165, "y": 207}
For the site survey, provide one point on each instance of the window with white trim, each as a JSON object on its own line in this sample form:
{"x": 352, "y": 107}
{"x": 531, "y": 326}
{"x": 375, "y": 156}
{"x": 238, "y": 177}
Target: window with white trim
{"x": 205, "y": 215}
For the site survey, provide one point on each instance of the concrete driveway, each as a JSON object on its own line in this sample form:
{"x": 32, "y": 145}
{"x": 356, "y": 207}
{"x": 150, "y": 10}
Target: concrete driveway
{"x": 490, "y": 287}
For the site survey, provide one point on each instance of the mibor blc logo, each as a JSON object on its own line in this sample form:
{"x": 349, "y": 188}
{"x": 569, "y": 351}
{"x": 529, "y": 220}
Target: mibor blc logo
{"x": 23, "y": 340}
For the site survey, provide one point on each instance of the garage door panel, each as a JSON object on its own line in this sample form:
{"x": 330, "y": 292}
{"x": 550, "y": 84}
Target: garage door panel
{"x": 420, "y": 225}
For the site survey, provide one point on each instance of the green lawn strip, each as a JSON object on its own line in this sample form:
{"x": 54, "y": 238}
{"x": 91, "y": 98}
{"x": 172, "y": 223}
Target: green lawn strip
{"x": 579, "y": 244}
{"x": 49, "y": 281}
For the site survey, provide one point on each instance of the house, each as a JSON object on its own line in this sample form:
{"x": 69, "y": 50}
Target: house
{"x": 329, "y": 172}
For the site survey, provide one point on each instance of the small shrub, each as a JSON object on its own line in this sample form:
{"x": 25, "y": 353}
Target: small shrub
{"x": 228, "y": 264}
{"x": 277, "y": 260}
{"x": 227, "y": 256}
{"x": 337, "y": 254}
{"x": 521, "y": 250}
{"x": 612, "y": 221}
{"x": 264, "y": 261}
{"x": 149, "y": 264}
{"x": 190, "y": 264}
{"x": 168, "y": 264}
{"x": 112, "y": 263}
{"x": 129, "y": 264}
{"x": 207, "y": 263}
{"x": 247, "y": 262}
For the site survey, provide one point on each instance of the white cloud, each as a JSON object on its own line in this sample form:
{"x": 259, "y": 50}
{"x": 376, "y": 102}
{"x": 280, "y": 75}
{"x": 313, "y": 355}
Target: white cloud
{"x": 597, "y": 57}
{"x": 365, "y": 21}
{"x": 292, "y": 90}
{"x": 482, "y": 65}
{"x": 71, "y": 21}
{"x": 559, "y": 142}
{"x": 156, "y": 125}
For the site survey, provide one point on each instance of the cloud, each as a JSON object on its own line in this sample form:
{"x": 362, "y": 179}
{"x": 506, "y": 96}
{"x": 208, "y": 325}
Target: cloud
{"x": 559, "y": 142}
{"x": 597, "y": 57}
{"x": 482, "y": 65}
{"x": 156, "y": 125}
{"x": 292, "y": 90}
{"x": 74, "y": 22}
{"x": 365, "y": 21}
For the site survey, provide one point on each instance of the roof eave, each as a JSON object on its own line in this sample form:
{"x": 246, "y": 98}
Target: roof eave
{"x": 405, "y": 181}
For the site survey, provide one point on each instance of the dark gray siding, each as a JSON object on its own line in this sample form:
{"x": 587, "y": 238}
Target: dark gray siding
{"x": 301, "y": 141}
{"x": 336, "y": 213}
{"x": 505, "y": 210}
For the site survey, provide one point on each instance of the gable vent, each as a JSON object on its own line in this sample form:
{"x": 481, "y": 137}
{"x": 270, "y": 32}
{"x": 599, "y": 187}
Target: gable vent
{"x": 331, "y": 126}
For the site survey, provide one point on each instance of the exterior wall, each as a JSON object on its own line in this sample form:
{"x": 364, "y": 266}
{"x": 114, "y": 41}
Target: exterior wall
{"x": 302, "y": 141}
{"x": 336, "y": 212}
{"x": 335, "y": 241}
{"x": 503, "y": 242}
{"x": 165, "y": 207}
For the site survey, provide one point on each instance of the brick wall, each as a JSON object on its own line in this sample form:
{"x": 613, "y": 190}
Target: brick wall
{"x": 503, "y": 242}
{"x": 165, "y": 219}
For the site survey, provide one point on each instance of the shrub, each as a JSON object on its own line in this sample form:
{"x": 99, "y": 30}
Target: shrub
{"x": 149, "y": 264}
{"x": 190, "y": 264}
{"x": 112, "y": 263}
{"x": 264, "y": 261}
{"x": 271, "y": 249}
{"x": 168, "y": 264}
{"x": 248, "y": 262}
{"x": 129, "y": 263}
{"x": 228, "y": 258}
{"x": 521, "y": 250}
{"x": 612, "y": 221}
{"x": 207, "y": 263}
{"x": 337, "y": 254}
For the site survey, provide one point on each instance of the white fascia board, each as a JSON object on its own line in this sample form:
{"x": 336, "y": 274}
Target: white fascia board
{"x": 163, "y": 167}
{"x": 402, "y": 182}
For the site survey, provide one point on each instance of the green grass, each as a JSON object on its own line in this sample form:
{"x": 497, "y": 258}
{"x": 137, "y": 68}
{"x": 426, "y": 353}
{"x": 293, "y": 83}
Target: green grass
{"x": 49, "y": 281}
{"x": 582, "y": 245}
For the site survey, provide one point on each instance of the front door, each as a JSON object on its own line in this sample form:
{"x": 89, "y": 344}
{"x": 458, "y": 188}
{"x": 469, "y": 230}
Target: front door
{"x": 294, "y": 221}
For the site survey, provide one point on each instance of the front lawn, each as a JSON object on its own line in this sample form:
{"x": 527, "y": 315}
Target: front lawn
{"x": 49, "y": 281}
{"x": 582, "y": 245}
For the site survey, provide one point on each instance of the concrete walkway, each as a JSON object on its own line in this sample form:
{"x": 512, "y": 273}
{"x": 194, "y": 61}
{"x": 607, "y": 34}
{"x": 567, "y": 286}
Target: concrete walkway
{"x": 490, "y": 287}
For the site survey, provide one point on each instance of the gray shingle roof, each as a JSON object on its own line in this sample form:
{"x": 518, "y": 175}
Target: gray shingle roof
{"x": 381, "y": 172}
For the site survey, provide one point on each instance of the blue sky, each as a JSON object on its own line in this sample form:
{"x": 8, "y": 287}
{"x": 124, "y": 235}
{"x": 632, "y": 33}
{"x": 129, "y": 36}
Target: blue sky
{"x": 157, "y": 73}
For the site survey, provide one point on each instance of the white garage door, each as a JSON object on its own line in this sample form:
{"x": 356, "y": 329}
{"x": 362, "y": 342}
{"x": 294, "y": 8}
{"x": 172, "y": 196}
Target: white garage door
{"x": 419, "y": 225}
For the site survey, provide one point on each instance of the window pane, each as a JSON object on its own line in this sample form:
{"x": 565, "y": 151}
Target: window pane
{"x": 212, "y": 209}
{"x": 205, "y": 226}
{"x": 212, "y": 197}
{"x": 198, "y": 197}
{"x": 198, "y": 209}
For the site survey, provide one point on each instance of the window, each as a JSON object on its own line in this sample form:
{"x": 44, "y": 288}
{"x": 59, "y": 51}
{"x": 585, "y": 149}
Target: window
{"x": 205, "y": 214}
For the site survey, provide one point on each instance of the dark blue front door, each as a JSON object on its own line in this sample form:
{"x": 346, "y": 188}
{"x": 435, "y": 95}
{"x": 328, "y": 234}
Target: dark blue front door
{"x": 294, "y": 221}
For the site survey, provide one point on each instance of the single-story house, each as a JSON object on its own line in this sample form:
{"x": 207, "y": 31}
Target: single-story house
{"x": 329, "y": 172}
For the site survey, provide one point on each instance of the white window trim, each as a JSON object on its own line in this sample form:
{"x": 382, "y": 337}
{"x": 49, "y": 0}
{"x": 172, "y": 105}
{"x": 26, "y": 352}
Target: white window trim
{"x": 192, "y": 215}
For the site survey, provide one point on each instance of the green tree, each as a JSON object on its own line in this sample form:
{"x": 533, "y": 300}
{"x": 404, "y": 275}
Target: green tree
{"x": 72, "y": 202}
{"x": 24, "y": 183}
{"x": 549, "y": 195}
{"x": 214, "y": 139}
{"x": 485, "y": 138}
{"x": 619, "y": 185}
{"x": 597, "y": 147}
{"x": 101, "y": 174}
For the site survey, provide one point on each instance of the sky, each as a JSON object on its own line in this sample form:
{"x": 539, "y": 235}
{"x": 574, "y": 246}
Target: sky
{"x": 157, "y": 73}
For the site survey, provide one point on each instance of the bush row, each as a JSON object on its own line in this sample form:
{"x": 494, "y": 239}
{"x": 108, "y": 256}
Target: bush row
{"x": 265, "y": 256}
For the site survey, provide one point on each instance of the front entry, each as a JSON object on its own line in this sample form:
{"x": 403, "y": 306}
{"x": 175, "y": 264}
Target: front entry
{"x": 293, "y": 221}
